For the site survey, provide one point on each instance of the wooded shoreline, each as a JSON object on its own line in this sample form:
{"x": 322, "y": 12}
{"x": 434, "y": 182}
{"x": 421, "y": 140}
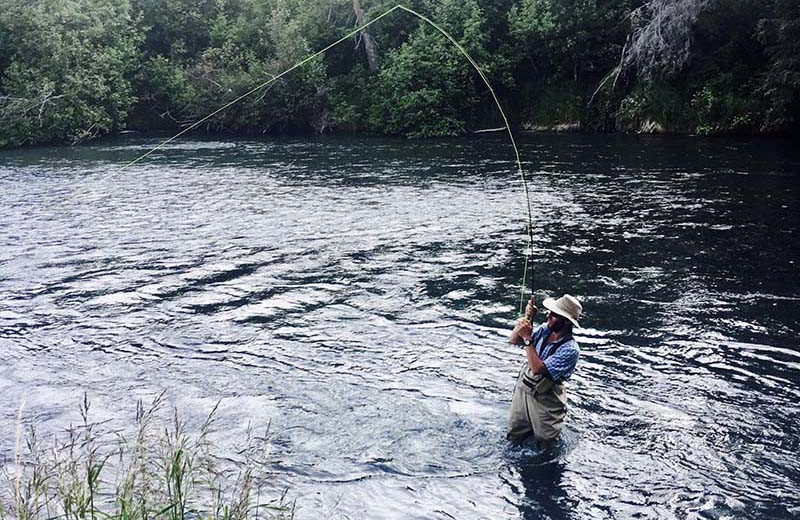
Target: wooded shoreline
{"x": 73, "y": 70}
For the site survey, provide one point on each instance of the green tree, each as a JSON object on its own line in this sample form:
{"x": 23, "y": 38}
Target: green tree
{"x": 247, "y": 43}
{"x": 66, "y": 69}
{"x": 561, "y": 50}
{"x": 426, "y": 87}
{"x": 779, "y": 32}
{"x": 74, "y": 69}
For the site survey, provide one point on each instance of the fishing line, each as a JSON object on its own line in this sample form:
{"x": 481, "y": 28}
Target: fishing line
{"x": 529, "y": 248}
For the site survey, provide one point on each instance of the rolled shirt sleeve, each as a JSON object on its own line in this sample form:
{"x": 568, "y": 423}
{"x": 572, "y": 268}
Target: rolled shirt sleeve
{"x": 561, "y": 365}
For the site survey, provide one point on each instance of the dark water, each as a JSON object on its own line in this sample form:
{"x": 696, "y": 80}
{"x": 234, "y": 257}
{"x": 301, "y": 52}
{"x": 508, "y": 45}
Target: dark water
{"x": 357, "y": 293}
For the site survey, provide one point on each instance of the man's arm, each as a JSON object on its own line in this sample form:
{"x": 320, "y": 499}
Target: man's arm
{"x": 523, "y": 332}
{"x": 535, "y": 363}
{"x": 561, "y": 364}
{"x": 523, "y": 329}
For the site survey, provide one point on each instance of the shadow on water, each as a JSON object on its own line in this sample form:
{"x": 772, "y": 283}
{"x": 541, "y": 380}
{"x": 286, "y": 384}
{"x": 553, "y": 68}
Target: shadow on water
{"x": 540, "y": 472}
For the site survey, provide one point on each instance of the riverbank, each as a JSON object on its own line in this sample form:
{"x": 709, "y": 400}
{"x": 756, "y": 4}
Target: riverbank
{"x": 532, "y": 130}
{"x": 71, "y": 71}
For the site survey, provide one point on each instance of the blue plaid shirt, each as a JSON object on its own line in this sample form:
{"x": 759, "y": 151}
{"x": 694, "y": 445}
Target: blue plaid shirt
{"x": 560, "y": 357}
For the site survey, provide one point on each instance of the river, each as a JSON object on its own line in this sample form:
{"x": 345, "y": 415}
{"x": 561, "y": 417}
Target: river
{"x": 356, "y": 295}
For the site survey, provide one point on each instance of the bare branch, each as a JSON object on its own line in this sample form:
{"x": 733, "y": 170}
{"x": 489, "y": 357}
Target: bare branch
{"x": 661, "y": 40}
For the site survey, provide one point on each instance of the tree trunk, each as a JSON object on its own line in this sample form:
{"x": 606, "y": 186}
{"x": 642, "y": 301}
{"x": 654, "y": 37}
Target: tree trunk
{"x": 369, "y": 42}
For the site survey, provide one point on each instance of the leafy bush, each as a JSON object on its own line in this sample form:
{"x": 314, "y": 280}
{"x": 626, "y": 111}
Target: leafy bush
{"x": 68, "y": 72}
{"x": 651, "y": 107}
{"x": 74, "y": 69}
{"x": 248, "y": 43}
{"x": 555, "y": 105}
{"x": 779, "y": 33}
{"x": 427, "y": 87}
{"x": 718, "y": 111}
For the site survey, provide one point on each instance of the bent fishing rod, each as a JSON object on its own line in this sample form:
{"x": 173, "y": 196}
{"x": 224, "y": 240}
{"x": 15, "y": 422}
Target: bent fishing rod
{"x": 528, "y": 264}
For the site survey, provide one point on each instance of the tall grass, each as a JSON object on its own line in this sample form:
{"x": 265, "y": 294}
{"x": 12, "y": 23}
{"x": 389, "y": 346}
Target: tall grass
{"x": 159, "y": 472}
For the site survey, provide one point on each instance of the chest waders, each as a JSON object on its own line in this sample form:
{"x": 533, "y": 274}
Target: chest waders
{"x": 538, "y": 406}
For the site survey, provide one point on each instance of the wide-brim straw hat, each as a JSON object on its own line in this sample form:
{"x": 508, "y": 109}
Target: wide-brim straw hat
{"x": 567, "y": 306}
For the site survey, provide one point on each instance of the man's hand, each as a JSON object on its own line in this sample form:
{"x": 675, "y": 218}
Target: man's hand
{"x": 531, "y": 309}
{"x": 522, "y": 330}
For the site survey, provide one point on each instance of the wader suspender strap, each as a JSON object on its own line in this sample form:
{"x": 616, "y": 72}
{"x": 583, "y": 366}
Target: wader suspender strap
{"x": 556, "y": 345}
{"x": 535, "y": 340}
{"x": 532, "y": 384}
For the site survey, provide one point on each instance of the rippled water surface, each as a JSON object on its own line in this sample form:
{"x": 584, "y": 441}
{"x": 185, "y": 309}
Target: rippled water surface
{"x": 356, "y": 294}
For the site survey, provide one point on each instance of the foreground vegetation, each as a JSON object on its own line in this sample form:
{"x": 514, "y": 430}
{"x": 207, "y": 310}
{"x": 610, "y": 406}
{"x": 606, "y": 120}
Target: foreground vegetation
{"x": 160, "y": 472}
{"x": 74, "y": 69}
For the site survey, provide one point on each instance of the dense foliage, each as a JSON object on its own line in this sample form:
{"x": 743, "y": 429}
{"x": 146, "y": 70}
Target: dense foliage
{"x": 66, "y": 69}
{"x": 73, "y": 69}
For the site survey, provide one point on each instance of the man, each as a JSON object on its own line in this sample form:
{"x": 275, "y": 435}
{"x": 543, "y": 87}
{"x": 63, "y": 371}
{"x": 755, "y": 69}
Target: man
{"x": 539, "y": 404}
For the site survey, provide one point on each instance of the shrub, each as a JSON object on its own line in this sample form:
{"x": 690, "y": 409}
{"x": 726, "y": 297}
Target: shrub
{"x": 722, "y": 111}
{"x": 651, "y": 107}
{"x": 160, "y": 473}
